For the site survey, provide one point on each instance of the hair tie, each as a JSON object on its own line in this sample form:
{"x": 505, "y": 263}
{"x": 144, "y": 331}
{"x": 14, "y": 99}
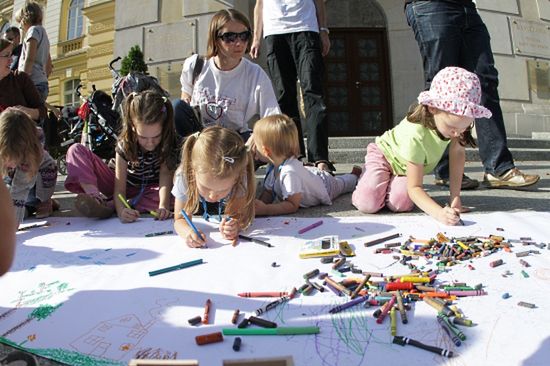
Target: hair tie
{"x": 164, "y": 99}
{"x": 228, "y": 159}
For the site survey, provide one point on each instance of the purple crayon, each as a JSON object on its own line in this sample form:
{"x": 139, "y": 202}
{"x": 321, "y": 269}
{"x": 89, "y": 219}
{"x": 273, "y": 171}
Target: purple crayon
{"x": 348, "y": 304}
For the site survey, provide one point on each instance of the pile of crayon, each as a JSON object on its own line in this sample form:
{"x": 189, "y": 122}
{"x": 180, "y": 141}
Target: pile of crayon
{"x": 450, "y": 251}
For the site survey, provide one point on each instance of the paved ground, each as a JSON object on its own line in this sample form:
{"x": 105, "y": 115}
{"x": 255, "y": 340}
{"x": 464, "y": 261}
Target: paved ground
{"x": 536, "y": 198}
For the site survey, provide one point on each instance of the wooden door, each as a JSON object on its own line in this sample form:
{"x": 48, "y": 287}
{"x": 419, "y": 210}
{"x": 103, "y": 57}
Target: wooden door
{"x": 357, "y": 82}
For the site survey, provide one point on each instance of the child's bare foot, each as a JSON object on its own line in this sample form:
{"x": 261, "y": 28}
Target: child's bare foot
{"x": 357, "y": 171}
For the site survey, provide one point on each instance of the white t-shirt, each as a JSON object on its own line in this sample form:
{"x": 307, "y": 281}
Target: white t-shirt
{"x": 38, "y": 74}
{"x": 289, "y": 16}
{"x": 294, "y": 177}
{"x": 231, "y": 98}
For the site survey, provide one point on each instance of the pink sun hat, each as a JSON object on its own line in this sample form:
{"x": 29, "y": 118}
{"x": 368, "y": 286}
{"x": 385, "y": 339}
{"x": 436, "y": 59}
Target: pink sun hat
{"x": 456, "y": 91}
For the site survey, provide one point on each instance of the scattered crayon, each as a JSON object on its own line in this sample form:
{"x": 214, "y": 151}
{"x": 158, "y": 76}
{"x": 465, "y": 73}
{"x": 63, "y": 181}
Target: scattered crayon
{"x": 262, "y": 322}
{"x": 209, "y": 338}
{"x": 524, "y": 274}
{"x": 463, "y": 322}
{"x": 159, "y": 233}
{"x": 243, "y": 324}
{"x": 237, "y": 344}
{"x": 524, "y": 263}
{"x": 527, "y": 304}
{"x": 496, "y": 263}
{"x": 405, "y": 340}
{"x": 381, "y": 240}
{"x": 235, "y": 316}
{"x": 196, "y": 320}
{"x": 310, "y": 227}
{"x": 207, "y": 307}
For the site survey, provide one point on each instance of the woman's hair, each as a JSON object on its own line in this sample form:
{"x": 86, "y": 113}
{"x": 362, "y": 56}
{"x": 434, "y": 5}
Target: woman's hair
{"x": 29, "y": 14}
{"x": 219, "y": 20}
{"x": 222, "y": 153}
{"x": 419, "y": 113}
{"x": 4, "y": 43}
{"x": 149, "y": 107}
{"x": 19, "y": 140}
{"x": 279, "y": 133}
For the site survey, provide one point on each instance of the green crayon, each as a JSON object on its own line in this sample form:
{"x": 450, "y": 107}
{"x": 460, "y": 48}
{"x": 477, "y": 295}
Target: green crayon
{"x": 271, "y": 331}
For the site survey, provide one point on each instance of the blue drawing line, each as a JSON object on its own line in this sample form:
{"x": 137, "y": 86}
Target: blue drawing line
{"x": 131, "y": 254}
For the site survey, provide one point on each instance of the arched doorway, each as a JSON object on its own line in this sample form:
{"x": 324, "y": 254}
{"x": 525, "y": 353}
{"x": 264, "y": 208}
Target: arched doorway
{"x": 357, "y": 76}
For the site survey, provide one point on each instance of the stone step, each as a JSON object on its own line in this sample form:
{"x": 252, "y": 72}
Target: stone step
{"x": 357, "y": 155}
{"x": 363, "y": 141}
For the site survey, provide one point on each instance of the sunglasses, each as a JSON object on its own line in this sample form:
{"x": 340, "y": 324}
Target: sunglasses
{"x": 230, "y": 37}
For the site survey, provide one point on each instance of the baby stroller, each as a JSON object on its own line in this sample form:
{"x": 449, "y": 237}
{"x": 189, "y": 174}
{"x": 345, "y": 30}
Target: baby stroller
{"x": 103, "y": 124}
{"x": 133, "y": 82}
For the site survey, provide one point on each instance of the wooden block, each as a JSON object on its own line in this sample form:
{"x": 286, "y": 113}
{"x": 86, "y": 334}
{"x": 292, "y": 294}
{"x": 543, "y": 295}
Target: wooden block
{"x": 275, "y": 361}
{"x": 144, "y": 362}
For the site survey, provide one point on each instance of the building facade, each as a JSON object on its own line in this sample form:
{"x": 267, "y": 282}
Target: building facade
{"x": 374, "y": 70}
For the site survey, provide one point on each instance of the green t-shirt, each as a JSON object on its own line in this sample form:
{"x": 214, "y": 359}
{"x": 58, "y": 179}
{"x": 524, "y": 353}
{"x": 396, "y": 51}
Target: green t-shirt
{"x": 411, "y": 142}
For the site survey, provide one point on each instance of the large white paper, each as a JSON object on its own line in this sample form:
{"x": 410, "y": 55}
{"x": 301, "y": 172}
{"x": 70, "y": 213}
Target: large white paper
{"x": 80, "y": 292}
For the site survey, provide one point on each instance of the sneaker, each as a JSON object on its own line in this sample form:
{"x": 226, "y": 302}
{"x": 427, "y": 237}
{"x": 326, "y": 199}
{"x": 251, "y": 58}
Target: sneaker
{"x": 44, "y": 209}
{"x": 513, "y": 178}
{"x": 467, "y": 183}
{"x": 90, "y": 206}
{"x": 357, "y": 171}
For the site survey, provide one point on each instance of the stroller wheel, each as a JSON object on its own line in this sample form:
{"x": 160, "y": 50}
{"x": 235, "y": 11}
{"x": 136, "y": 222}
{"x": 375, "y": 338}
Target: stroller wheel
{"x": 62, "y": 165}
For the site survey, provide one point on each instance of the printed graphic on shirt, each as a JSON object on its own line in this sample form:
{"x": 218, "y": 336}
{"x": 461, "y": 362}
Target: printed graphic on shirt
{"x": 215, "y": 107}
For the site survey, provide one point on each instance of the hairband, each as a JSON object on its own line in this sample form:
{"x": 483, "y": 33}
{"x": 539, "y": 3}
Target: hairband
{"x": 164, "y": 99}
{"x": 228, "y": 159}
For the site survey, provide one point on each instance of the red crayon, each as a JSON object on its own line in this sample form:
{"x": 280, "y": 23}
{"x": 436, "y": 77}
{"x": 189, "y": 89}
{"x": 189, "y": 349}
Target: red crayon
{"x": 263, "y": 294}
{"x": 206, "y": 316}
{"x": 394, "y": 286}
{"x": 209, "y": 338}
{"x": 496, "y": 263}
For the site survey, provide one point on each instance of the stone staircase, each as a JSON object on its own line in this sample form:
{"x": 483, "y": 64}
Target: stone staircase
{"x": 351, "y": 150}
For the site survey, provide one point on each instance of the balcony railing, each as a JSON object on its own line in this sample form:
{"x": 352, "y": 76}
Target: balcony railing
{"x": 67, "y": 47}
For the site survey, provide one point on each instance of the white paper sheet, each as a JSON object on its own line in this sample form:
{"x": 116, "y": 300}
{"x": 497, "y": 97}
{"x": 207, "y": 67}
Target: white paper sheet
{"x": 94, "y": 303}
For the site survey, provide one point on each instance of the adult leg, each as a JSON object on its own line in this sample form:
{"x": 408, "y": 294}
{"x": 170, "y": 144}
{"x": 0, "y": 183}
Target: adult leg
{"x": 491, "y": 133}
{"x": 306, "y": 49}
{"x": 282, "y": 71}
{"x": 185, "y": 119}
{"x": 371, "y": 191}
{"x": 437, "y": 28}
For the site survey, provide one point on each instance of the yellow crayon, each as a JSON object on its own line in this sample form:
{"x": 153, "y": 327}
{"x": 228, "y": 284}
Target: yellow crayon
{"x": 124, "y": 202}
{"x": 393, "y": 321}
{"x": 462, "y": 245}
{"x": 415, "y": 279}
{"x": 154, "y": 213}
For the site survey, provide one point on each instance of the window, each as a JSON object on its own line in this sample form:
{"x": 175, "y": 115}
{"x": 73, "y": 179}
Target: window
{"x": 69, "y": 95}
{"x": 74, "y": 26}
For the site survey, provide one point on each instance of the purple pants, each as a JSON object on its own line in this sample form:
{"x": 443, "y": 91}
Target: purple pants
{"x": 379, "y": 187}
{"x": 83, "y": 166}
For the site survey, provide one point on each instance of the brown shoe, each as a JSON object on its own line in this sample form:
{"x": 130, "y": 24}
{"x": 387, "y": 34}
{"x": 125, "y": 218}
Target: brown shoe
{"x": 513, "y": 178}
{"x": 90, "y": 206}
{"x": 44, "y": 209}
{"x": 467, "y": 183}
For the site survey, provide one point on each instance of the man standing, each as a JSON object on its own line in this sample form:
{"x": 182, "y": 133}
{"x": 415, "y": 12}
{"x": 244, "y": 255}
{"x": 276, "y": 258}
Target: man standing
{"x": 451, "y": 33}
{"x": 297, "y": 38}
{"x": 13, "y": 35}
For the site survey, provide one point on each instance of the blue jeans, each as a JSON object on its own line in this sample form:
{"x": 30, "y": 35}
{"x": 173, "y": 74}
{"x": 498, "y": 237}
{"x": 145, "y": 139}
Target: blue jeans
{"x": 187, "y": 123}
{"x": 450, "y": 34}
{"x": 297, "y": 56}
{"x": 43, "y": 89}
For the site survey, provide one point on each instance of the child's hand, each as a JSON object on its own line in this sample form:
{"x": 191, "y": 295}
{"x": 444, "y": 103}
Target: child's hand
{"x": 162, "y": 214}
{"x": 193, "y": 240}
{"x": 128, "y": 215}
{"x": 448, "y": 215}
{"x": 229, "y": 229}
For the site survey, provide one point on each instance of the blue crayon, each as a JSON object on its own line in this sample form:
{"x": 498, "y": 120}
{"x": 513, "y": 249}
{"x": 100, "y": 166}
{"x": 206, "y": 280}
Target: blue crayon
{"x": 190, "y": 223}
{"x": 348, "y": 304}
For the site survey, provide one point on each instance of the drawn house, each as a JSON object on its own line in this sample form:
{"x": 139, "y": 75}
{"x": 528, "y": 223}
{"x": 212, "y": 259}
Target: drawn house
{"x": 113, "y": 338}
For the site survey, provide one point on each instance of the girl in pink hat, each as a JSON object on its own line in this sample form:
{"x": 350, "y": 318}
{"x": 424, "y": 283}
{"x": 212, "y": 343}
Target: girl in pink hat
{"x": 397, "y": 161}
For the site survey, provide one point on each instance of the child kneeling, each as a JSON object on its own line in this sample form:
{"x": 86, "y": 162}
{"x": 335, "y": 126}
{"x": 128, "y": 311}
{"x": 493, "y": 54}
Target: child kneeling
{"x": 288, "y": 184}
{"x": 396, "y": 163}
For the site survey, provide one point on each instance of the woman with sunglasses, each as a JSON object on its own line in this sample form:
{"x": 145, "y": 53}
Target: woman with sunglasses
{"x": 228, "y": 89}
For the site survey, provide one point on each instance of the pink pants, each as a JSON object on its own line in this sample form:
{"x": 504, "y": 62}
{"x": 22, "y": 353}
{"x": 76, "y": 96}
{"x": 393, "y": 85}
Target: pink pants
{"x": 379, "y": 187}
{"x": 83, "y": 166}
